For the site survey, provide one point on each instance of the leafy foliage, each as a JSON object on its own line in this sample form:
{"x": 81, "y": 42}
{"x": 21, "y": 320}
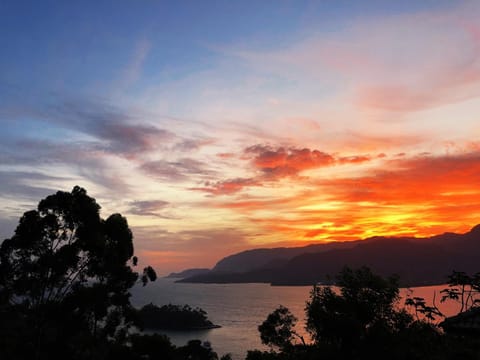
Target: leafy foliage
{"x": 360, "y": 319}
{"x": 65, "y": 277}
{"x": 173, "y": 317}
{"x": 464, "y": 289}
{"x": 278, "y": 329}
{"x": 427, "y": 312}
{"x": 364, "y": 303}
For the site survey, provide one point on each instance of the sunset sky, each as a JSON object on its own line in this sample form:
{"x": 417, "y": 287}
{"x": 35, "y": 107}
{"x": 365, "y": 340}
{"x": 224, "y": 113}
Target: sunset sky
{"x": 220, "y": 126}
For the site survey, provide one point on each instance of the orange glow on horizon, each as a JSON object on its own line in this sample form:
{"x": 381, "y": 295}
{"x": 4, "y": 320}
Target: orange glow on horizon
{"x": 420, "y": 196}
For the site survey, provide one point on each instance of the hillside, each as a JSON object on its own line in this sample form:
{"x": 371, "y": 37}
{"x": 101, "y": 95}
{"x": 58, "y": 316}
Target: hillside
{"x": 256, "y": 258}
{"x": 418, "y": 261}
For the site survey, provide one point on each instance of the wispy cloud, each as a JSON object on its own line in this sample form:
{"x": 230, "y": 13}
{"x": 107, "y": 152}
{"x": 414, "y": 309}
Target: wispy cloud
{"x": 120, "y": 132}
{"x": 227, "y": 187}
{"x": 403, "y": 63}
{"x": 133, "y": 71}
{"x": 182, "y": 169}
{"x": 31, "y": 185}
{"x": 153, "y": 208}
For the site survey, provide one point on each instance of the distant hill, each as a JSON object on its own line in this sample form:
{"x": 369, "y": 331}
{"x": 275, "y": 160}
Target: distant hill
{"x": 187, "y": 273}
{"x": 253, "y": 259}
{"x": 418, "y": 261}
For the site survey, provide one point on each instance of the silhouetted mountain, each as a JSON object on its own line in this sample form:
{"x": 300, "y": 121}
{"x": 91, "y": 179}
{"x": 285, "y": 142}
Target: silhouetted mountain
{"x": 188, "y": 273}
{"x": 257, "y": 258}
{"x": 418, "y": 261}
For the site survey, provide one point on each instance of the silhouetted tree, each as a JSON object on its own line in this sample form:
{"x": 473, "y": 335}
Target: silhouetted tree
{"x": 65, "y": 277}
{"x": 422, "y": 310}
{"x": 361, "y": 319}
{"x": 364, "y": 302}
{"x": 464, "y": 289}
{"x": 278, "y": 329}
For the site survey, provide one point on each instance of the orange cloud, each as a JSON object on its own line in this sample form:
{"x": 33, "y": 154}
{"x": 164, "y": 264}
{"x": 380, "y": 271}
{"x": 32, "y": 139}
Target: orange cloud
{"x": 418, "y": 196}
{"x": 278, "y": 163}
{"x": 287, "y": 161}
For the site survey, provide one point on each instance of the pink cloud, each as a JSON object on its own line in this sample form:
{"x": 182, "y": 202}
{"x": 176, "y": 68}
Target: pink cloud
{"x": 287, "y": 161}
{"x": 274, "y": 163}
{"x": 399, "y": 63}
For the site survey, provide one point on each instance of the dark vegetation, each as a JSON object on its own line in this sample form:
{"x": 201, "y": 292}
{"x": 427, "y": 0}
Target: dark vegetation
{"x": 65, "y": 280}
{"x": 417, "y": 261}
{"x": 66, "y": 275}
{"x": 174, "y": 317}
{"x": 362, "y": 320}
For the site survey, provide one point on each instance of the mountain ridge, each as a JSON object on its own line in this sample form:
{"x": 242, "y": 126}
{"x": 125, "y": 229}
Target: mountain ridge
{"x": 417, "y": 261}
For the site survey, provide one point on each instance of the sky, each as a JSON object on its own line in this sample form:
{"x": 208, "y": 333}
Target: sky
{"x": 220, "y": 126}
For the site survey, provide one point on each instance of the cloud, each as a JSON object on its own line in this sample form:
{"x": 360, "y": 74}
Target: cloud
{"x": 130, "y": 139}
{"x": 133, "y": 72}
{"x": 227, "y": 187}
{"x": 276, "y": 163}
{"x": 399, "y": 63}
{"x": 281, "y": 162}
{"x": 82, "y": 159}
{"x": 226, "y": 155}
{"x": 422, "y": 178}
{"x": 192, "y": 144}
{"x": 369, "y": 142}
{"x": 356, "y": 159}
{"x": 180, "y": 170}
{"x": 95, "y": 123}
{"x": 28, "y": 185}
{"x": 121, "y": 133}
{"x": 148, "y": 208}
{"x": 418, "y": 195}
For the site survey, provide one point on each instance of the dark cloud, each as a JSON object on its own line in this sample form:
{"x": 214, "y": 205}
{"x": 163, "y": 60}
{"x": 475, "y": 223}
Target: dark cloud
{"x": 84, "y": 160}
{"x": 120, "y": 131}
{"x": 96, "y": 131}
{"x": 30, "y": 186}
{"x": 149, "y": 208}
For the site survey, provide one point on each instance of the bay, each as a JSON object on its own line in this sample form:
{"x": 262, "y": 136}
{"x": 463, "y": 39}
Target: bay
{"x": 240, "y": 308}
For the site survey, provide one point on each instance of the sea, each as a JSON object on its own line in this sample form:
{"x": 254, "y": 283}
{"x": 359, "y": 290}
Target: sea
{"x": 240, "y": 308}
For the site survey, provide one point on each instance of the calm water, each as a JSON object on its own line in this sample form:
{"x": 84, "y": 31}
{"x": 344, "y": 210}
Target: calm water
{"x": 239, "y": 309}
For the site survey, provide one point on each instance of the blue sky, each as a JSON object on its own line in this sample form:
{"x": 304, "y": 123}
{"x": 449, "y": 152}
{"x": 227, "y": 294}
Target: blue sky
{"x": 74, "y": 47}
{"x": 217, "y": 126}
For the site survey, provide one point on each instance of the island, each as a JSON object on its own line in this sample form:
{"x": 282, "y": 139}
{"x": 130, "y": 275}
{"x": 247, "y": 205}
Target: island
{"x": 174, "y": 317}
